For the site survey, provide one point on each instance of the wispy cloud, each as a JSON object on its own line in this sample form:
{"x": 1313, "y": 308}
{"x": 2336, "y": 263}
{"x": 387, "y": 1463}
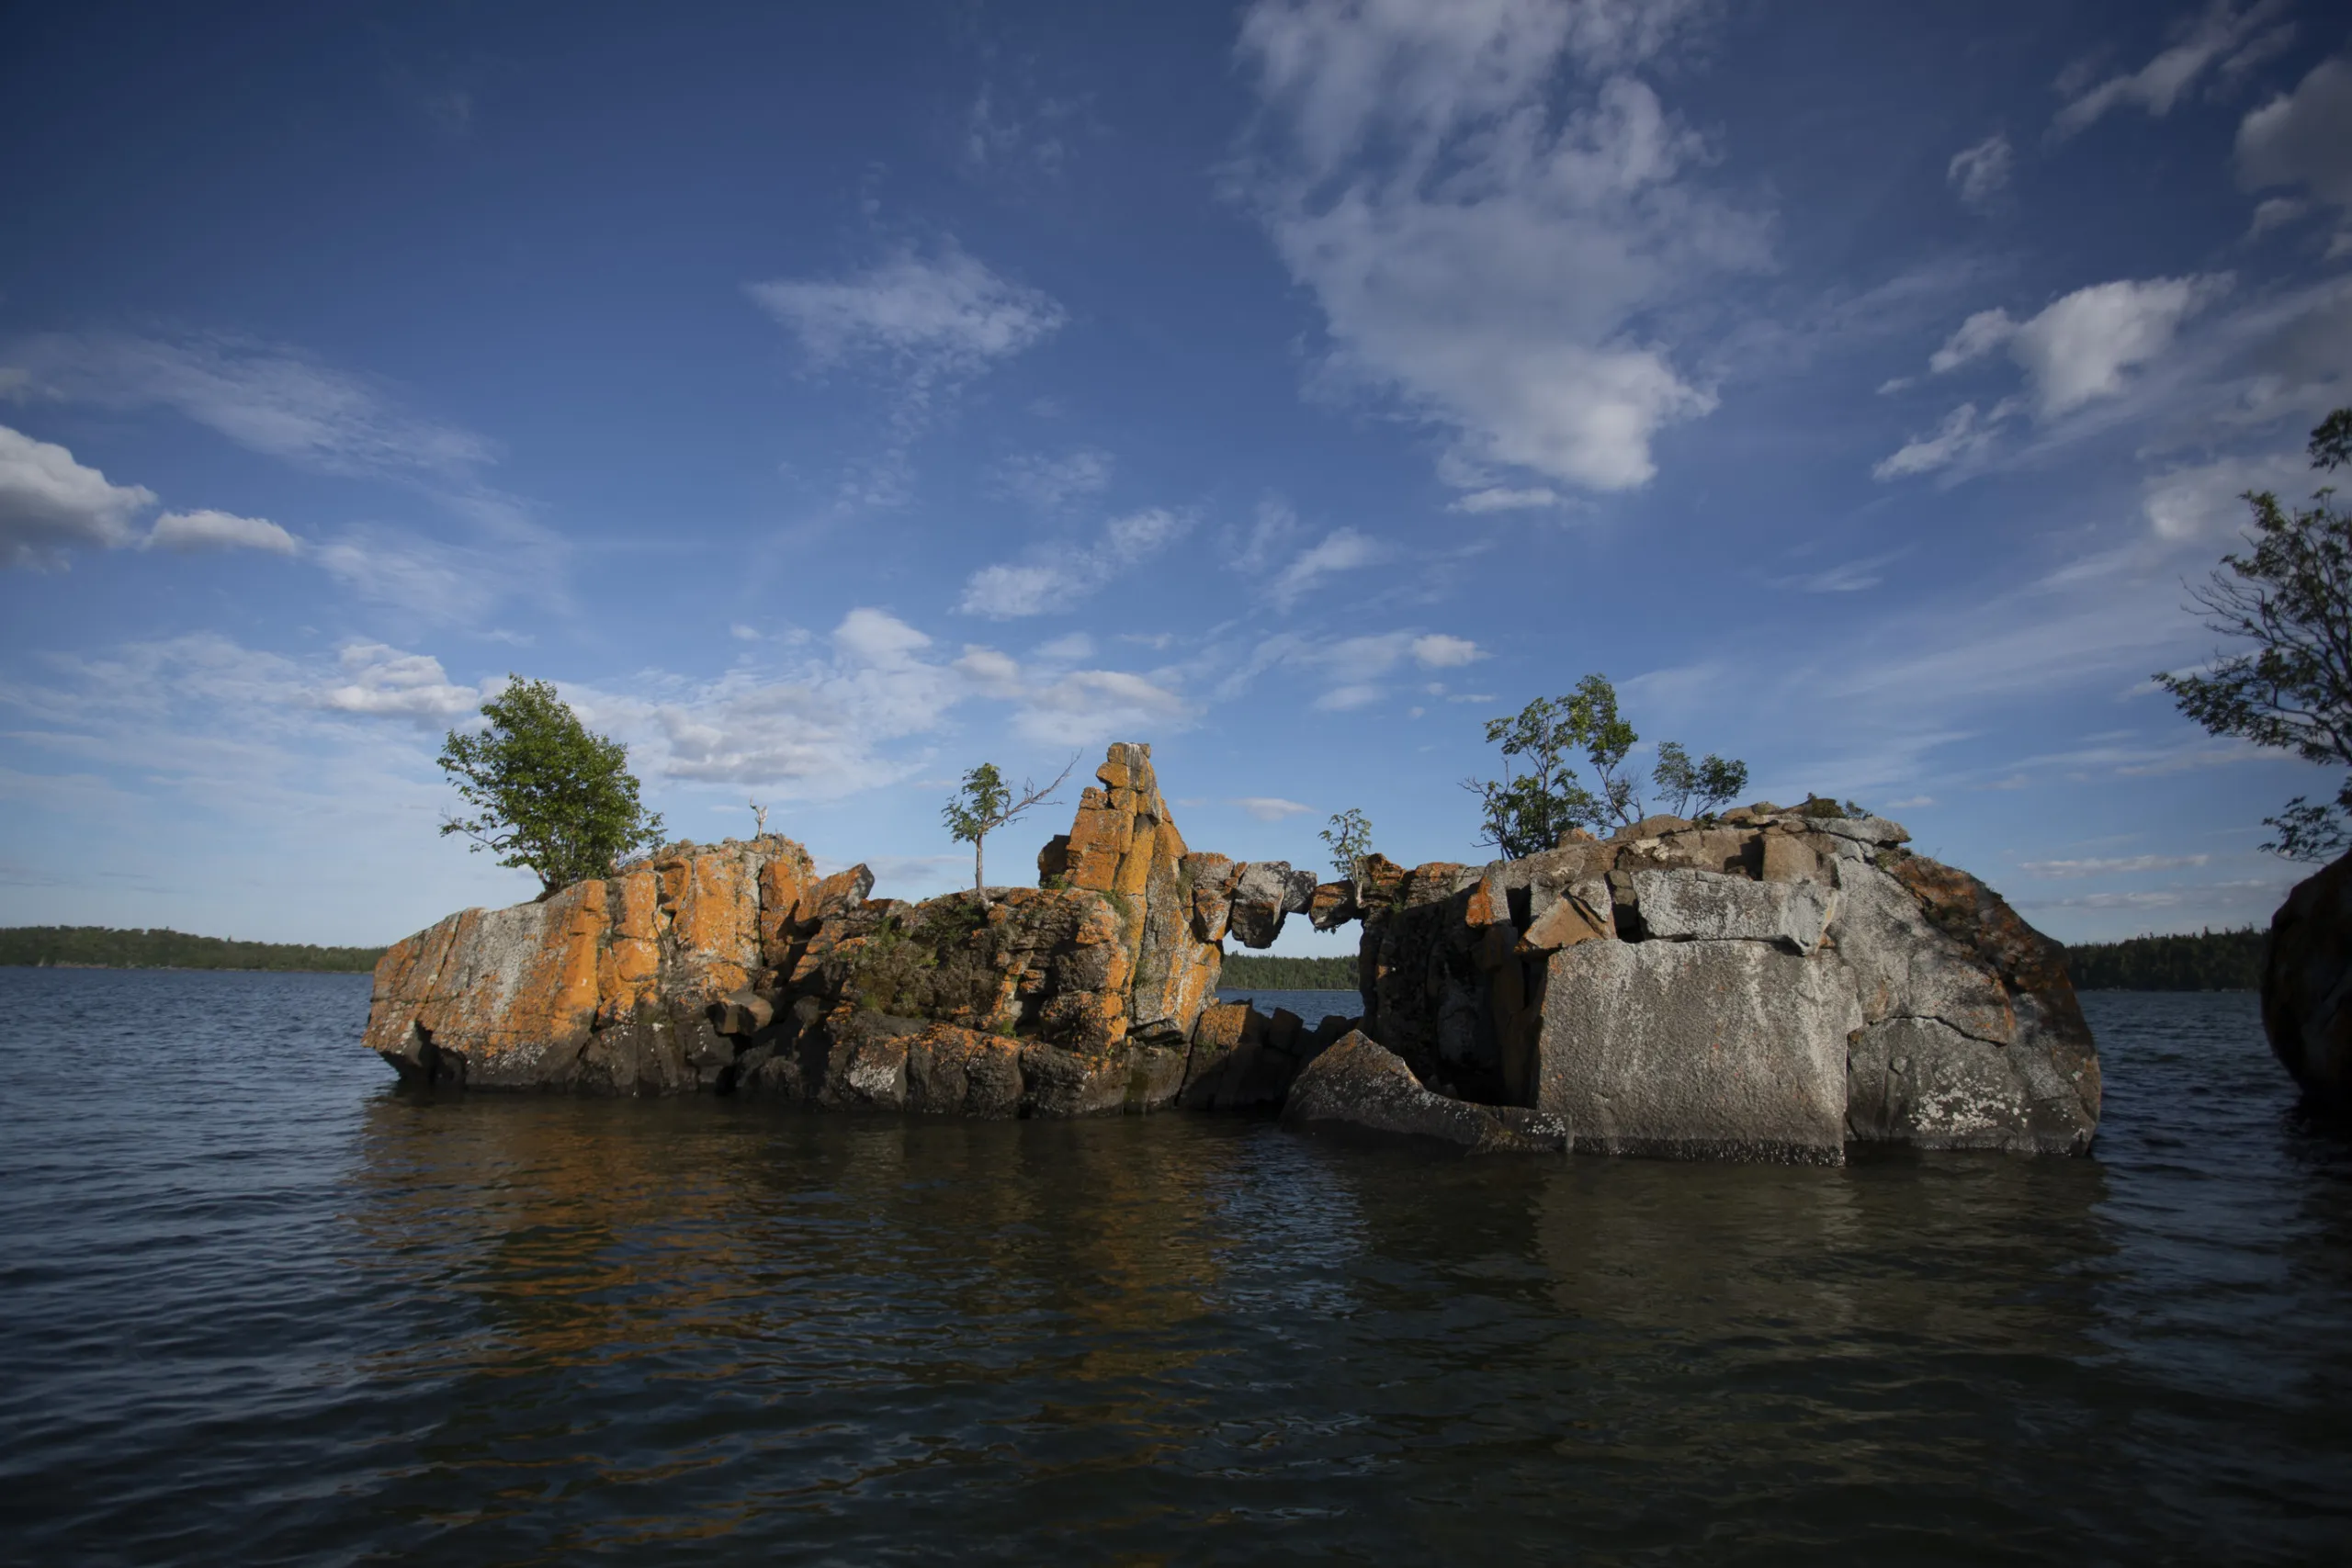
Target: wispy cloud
{"x": 200, "y": 531}
{"x": 1979, "y": 174}
{"x": 2110, "y": 867}
{"x": 1056, "y": 581}
{"x": 2225, "y": 38}
{"x": 1270, "y": 807}
{"x": 929, "y": 321}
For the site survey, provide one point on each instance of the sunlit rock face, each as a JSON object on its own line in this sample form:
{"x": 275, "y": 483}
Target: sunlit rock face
{"x": 1773, "y": 986}
{"x": 733, "y": 967}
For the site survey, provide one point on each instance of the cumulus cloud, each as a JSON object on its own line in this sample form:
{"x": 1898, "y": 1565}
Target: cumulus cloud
{"x": 2224, "y": 36}
{"x": 50, "y": 503}
{"x": 2303, "y": 138}
{"x": 1012, "y": 590}
{"x": 1439, "y": 651}
{"x": 1417, "y": 179}
{"x": 1979, "y": 174}
{"x": 1343, "y": 549}
{"x": 1270, "y": 807}
{"x": 191, "y": 531}
{"x": 931, "y": 319}
{"x": 2079, "y": 347}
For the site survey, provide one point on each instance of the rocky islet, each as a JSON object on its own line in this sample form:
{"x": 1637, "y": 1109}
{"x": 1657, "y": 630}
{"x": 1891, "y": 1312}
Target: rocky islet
{"x": 1769, "y": 984}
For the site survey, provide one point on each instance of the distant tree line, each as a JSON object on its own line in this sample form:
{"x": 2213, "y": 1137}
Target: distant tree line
{"x": 1243, "y": 970}
{"x": 2200, "y": 961}
{"x": 106, "y": 948}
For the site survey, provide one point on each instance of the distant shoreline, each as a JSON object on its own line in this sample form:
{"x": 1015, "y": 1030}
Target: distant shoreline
{"x": 105, "y": 947}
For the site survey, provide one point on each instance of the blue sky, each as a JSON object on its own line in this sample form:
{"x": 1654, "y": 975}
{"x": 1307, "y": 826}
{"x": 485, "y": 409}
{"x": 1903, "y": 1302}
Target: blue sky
{"x": 830, "y": 398}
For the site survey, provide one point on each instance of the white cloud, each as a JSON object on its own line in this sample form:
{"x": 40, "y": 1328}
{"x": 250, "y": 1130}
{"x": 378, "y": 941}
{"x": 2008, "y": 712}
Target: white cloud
{"x": 1960, "y": 436}
{"x": 1496, "y": 498}
{"x": 383, "y": 681}
{"x": 1012, "y": 590}
{"x": 1052, "y": 484}
{"x": 1977, "y": 336}
{"x": 1348, "y": 698}
{"x": 1270, "y": 807}
{"x": 2204, "y": 501}
{"x": 270, "y": 397}
{"x": 878, "y": 639}
{"x": 1439, "y": 651}
{"x": 1417, "y": 180}
{"x": 1352, "y": 667}
{"x": 932, "y": 320}
{"x": 2078, "y": 348}
{"x": 1343, "y": 549}
{"x": 1065, "y": 650}
{"x": 442, "y": 583}
{"x": 219, "y": 531}
{"x": 2303, "y": 138}
{"x": 1088, "y": 706}
{"x": 49, "y": 501}
{"x": 1978, "y": 173}
{"x": 2063, "y": 868}
{"x": 2223, "y": 34}
{"x": 1269, "y": 534}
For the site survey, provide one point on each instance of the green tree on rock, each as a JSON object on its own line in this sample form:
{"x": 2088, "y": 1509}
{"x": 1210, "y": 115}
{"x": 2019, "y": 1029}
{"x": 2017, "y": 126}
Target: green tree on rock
{"x": 986, "y": 803}
{"x": 2290, "y": 596}
{"x": 1349, "y": 834}
{"x": 1540, "y": 796}
{"x": 548, "y": 795}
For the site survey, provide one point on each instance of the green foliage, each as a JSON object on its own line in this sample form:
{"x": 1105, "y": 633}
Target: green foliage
{"x": 1245, "y": 971}
{"x": 929, "y": 966}
{"x": 1697, "y": 789}
{"x": 548, "y": 794}
{"x": 1349, "y": 835}
{"x": 1822, "y": 806}
{"x": 2290, "y": 596}
{"x": 1542, "y": 797}
{"x": 2206, "y": 961}
{"x": 986, "y": 803}
{"x": 101, "y": 947}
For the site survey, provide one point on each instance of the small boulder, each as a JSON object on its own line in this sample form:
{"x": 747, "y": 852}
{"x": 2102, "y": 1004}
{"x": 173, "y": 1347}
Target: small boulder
{"x": 1357, "y": 1084}
{"x": 1707, "y": 906}
{"x": 1333, "y": 905}
{"x": 1261, "y": 899}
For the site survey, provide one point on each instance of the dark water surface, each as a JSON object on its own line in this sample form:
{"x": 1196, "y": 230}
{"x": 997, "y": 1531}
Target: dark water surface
{"x": 256, "y": 1307}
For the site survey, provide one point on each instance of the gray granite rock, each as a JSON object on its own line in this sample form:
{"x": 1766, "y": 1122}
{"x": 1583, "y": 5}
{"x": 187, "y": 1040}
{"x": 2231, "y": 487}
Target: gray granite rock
{"x": 1355, "y": 1084}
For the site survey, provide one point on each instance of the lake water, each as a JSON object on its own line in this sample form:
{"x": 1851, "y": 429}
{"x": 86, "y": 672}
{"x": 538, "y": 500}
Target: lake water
{"x": 257, "y": 1307}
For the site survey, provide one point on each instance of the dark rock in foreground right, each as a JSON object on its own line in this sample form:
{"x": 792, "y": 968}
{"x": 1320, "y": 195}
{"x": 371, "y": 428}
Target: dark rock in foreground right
{"x": 2307, "y": 986}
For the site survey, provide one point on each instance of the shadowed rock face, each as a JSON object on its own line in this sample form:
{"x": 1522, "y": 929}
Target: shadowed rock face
{"x": 1773, "y": 986}
{"x": 2307, "y": 986}
{"x": 1357, "y": 1086}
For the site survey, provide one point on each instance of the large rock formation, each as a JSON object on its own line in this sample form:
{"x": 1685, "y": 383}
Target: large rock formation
{"x": 734, "y": 967}
{"x": 1775, "y": 984}
{"x": 2307, "y": 986}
